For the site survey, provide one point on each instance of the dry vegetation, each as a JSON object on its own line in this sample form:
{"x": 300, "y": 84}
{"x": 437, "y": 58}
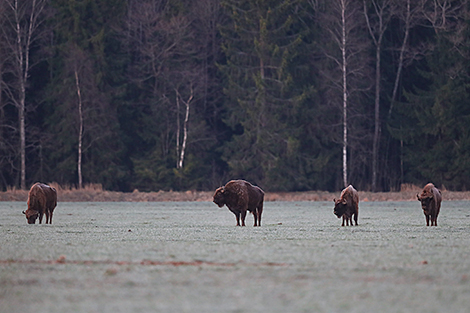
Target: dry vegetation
{"x": 95, "y": 193}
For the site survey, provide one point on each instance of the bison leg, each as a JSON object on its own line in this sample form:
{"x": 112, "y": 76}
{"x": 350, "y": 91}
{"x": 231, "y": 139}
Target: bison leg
{"x": 255, "y": 217}
{"x": 344, "y": 218}
{"x": 237, "y": 216}
{"x": 40, "y": 217}
{"x": 243, "y": 216}
{"x": 49, "y": 216}
{"x": 427, "y": 220}
{"x": 257, "y": 213}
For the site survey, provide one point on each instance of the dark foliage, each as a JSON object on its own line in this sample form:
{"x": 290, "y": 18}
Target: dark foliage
{"x": 180, "y": 95}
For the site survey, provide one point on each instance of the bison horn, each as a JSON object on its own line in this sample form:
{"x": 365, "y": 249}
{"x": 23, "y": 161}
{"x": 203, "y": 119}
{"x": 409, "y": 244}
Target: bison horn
{"x": 24, "y": 212}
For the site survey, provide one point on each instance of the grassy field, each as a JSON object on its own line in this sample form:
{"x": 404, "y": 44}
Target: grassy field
{"x": 189, "y": 257}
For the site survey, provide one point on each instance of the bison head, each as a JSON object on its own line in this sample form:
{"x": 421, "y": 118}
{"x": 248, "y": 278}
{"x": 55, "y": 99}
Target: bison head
{"x": 31, "y": 216}
{"x": 340, "y": 207}
{"x": 425, "y": 200}
{"x": 219, "y": 197}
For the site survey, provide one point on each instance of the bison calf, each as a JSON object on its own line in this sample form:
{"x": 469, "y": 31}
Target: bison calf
{"x": 241, "y": 196}
{"x": 347, "y": 205}
{"x": 41, "y": 199}
{"x": 430, "y": 199}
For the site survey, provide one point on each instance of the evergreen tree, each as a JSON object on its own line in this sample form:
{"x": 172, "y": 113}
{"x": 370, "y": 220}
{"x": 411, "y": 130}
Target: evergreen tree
{"x": 82, "y": 117}
{"x": 260, "y": 43}
{"x": 436, "y": 133}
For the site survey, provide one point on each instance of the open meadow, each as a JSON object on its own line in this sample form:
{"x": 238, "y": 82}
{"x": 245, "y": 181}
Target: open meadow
{"x": 190, "y": 257}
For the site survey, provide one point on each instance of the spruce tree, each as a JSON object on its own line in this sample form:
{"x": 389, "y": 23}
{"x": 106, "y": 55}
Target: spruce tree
{"x": 260, "y": 43}
{"x": 82, "y": 119}
{"x": 436, "y": 118}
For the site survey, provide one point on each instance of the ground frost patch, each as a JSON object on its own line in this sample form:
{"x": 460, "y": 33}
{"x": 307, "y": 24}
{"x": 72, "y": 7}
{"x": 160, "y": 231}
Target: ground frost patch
{"x": 190, "y": 257}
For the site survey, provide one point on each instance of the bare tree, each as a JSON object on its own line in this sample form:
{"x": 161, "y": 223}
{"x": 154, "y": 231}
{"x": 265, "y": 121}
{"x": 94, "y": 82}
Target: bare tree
{"x": 167, "y": 60}
{"x": 80, "y": 131}
{"x": 24, "y": 18}
{"x": 343, "y": 48}
{"x": 440, "y": 14}
{"x": 4, "y": 155}
{"x": 180, "y": 152}
{"x": 407, "y": 18}
{"x": 207, "y": 20}
{"x": 411, "y": 13}
{"x": 377, "y": 17}
{"x": 344, "y": 71}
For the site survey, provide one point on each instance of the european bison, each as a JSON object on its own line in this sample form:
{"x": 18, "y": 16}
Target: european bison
{"x": 347, "y": 205}
{"x": 41, "y": 199}
{"x": 431, "y": 203}
{"x": 240, "y": 196}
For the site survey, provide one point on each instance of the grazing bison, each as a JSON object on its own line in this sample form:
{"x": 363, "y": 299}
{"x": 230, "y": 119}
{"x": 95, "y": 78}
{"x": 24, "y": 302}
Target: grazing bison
{"x": 431, "y": 203}
{"x": 347, "y": 205}
{"x": 41, "y": 199}
{"x": 241, "y": 196}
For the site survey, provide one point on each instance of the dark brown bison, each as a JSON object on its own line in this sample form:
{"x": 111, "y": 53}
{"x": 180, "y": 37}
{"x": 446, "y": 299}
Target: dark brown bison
{"x": 241, "y": 196}
{"x": 41, "y": 199}
{"x": 431, "y": 199}
{"x": 347, "y": 205}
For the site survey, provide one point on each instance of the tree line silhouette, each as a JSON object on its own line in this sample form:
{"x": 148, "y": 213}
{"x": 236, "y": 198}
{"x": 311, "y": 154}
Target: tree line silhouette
{"x": 290, "y": 95}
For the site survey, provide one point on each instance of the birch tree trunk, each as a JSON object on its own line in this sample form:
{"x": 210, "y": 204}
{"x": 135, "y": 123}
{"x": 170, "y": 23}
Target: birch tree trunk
{"x": 178, "y": 126}
{"x": 23, "y": 63}
{"x": 182, "y": 152}
{"x": 185, "y": 134}
{"x": 376, "y": 140}
{"x": 80, "y": 131}
{"x": 345, "y": 93}
{"x": 21, "y": 50}
{"x": 345, "y": 68}
{"x": 376, "y": 31}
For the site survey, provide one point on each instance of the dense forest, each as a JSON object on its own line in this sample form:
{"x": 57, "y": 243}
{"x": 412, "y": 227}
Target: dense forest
{"x": 291, "y": 95}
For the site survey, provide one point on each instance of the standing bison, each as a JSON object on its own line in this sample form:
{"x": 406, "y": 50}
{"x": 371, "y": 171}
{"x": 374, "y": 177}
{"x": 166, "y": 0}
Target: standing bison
{"x": 41, "y": 199}
{"x": 241, "y": 196}
{"x": 431, "y": 199}
{"x": 347, "y": 205}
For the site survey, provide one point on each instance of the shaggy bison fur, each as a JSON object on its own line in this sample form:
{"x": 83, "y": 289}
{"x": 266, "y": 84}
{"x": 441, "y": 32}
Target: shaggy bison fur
{"x": 430, "y": 199}
{"x": 241, "y": 196}
{"x": 347, "y": 205}
{"x": 41, "y": 199}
